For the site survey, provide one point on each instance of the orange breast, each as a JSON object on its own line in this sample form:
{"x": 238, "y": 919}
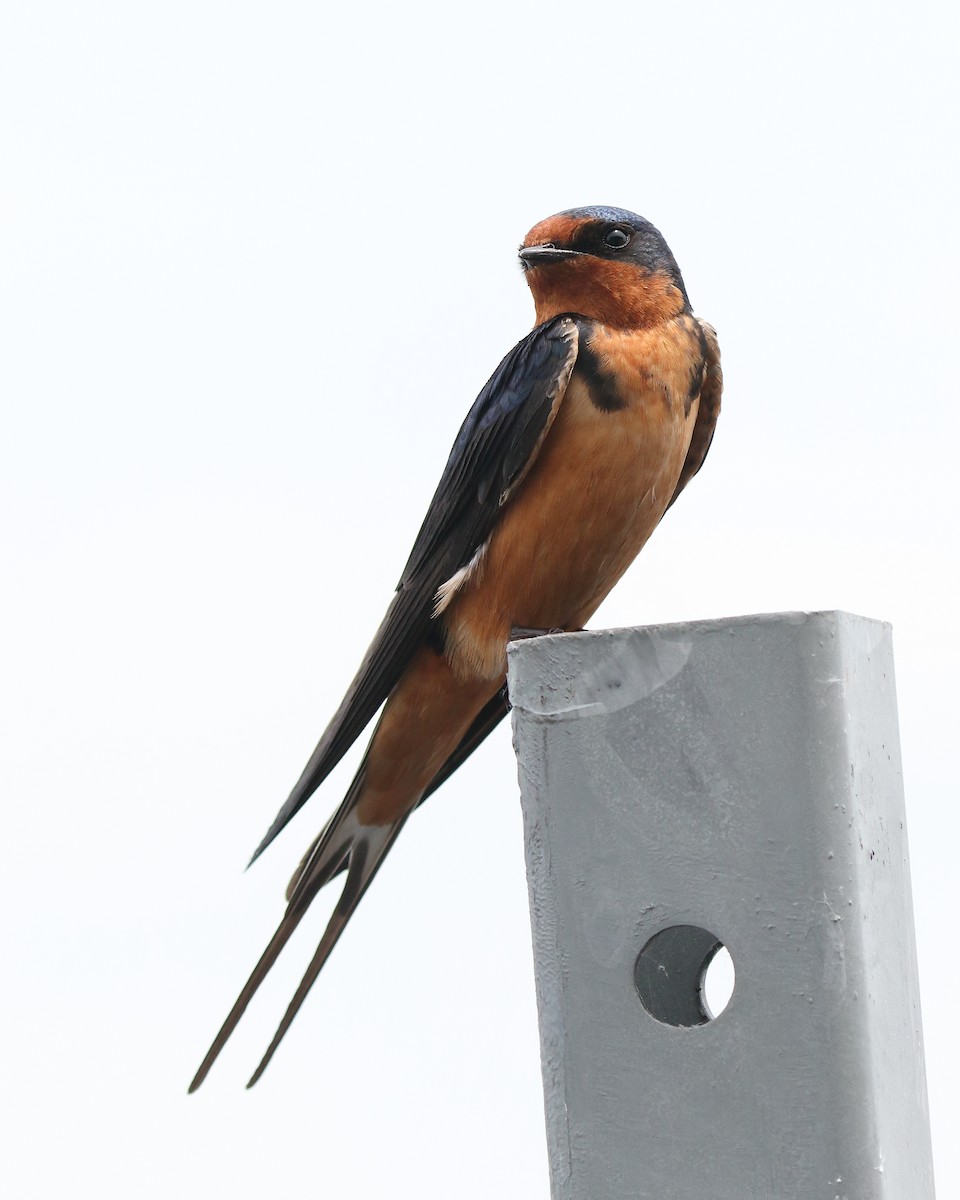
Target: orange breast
{"x": 596, "y": 492}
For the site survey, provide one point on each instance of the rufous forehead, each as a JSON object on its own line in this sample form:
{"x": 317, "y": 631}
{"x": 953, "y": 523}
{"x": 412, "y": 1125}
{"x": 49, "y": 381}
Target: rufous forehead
{"x": 559, "y": 230}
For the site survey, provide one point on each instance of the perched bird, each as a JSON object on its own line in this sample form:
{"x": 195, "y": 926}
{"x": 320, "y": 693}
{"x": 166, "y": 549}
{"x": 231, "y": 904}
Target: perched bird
{"x": 581, "y": 440}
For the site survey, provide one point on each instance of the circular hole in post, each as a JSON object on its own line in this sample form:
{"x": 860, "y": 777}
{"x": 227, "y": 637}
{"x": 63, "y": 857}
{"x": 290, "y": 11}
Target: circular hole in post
{"x": 671, "y": 974}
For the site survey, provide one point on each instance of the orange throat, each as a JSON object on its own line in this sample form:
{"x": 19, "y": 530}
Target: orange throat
{"x": 618, "y": 295}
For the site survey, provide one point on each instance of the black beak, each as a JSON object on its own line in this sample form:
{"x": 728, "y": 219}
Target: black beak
{"x": 533, "y": 256}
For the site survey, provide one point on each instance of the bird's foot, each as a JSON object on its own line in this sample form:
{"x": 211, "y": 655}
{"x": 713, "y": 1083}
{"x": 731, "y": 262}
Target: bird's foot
{"x": 519, "y": 632}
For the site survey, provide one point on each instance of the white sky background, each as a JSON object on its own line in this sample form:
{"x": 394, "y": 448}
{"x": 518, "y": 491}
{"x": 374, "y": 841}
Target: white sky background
{"x": 256, "y": 260}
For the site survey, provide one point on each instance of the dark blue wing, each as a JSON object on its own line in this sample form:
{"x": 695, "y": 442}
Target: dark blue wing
{"x": 493, "y": 450}
{"x": 711, "y": 388}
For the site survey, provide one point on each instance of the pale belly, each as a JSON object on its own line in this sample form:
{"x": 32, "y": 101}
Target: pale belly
{"x": 598, "y": 489}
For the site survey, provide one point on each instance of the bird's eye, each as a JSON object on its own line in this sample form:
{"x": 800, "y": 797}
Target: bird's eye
{"x": 616, "y": 239}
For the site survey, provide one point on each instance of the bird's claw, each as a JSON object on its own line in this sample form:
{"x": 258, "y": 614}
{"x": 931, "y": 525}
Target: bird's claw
{"x": 520, "y": 632}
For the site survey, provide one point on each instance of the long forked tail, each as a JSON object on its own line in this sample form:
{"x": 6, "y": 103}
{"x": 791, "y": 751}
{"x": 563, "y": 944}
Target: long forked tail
{"x": 344, "y": 844}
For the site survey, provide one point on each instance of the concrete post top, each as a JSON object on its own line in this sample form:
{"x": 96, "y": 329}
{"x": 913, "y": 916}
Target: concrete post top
{"x": 570, "y": 675}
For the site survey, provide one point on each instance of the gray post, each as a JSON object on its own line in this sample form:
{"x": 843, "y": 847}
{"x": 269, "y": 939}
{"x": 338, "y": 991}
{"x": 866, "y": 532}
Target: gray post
{"x": 733, "y": 782}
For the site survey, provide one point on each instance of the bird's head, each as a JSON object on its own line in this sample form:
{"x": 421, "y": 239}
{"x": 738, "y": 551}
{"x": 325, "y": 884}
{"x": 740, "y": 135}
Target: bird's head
{"x": 603, "y": 263}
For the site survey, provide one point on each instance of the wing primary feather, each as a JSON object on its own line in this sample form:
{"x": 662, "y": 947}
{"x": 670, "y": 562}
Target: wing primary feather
{"x": 485, "y": 722}
{"x": 379, "y": 672}
{"x": 498, "y": 441}
{"x": 496, "y": 444}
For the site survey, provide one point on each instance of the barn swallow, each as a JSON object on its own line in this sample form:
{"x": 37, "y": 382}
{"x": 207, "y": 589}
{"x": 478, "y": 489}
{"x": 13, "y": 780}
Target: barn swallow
{"x": 581, "y": 440}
